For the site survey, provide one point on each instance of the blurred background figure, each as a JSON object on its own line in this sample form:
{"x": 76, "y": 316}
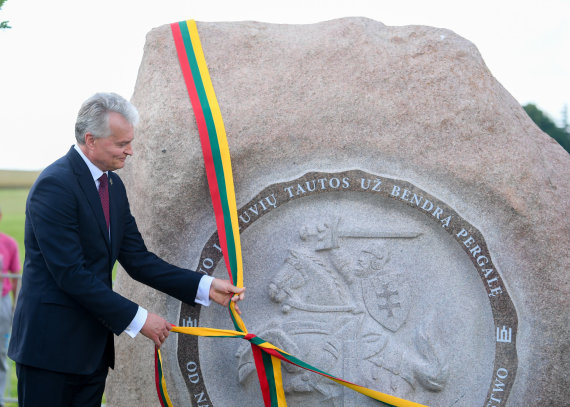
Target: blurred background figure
{"x": 9, "y": 263}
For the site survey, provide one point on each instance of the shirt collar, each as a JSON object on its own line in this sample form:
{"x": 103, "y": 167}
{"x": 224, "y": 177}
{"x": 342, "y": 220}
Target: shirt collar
{"x": 95, "y": 171}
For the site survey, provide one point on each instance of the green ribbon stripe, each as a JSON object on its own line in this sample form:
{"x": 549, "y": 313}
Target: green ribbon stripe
{"x": 215, "y": 148}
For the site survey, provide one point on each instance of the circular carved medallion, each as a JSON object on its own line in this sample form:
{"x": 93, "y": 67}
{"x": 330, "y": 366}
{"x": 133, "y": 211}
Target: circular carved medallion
{"x": 368, "y": 278}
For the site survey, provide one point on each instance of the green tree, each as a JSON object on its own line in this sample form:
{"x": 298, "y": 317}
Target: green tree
{"x": 3, "y": 24}
{"x": 547, "y": 125}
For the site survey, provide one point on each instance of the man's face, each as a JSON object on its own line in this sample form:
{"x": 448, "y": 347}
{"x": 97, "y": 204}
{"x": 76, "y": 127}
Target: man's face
{"x": 110, "y": 153}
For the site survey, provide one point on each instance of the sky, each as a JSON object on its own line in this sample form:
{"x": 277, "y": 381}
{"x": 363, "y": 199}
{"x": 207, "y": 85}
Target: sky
{"x": 60, "y": 52}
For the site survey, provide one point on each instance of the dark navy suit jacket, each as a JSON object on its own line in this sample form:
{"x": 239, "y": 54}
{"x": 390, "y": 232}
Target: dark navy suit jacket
{"x": 66, "y": 310}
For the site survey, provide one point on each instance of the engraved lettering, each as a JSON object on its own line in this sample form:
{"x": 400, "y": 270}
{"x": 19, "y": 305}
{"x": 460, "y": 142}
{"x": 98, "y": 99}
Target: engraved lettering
{"x": 489, "y": 404}
{"x": 377, "y": 185}
{"x": 495, "y": 291}
{"x": 438, "y": 211}
{"x": 218, "y": 247}
{"x": 201, "y": 398}
{"x": 193, "y": 375}
{"x": 468, "y": 242}
{"x": 345, "y": 182}
{"x": 475, "y": 251}
{"x": 322, "y": 181}
{"x": 334, "y": 183}
{"x": 311, "y": 185}
{"x": 502, "y": 376}
{"x": 362, "y": 183}
{"x": 462, "y": 233}
{"x": 288, "y": 189}
{"x": 416, "y": 199}
{"x": 300, "y": 189}
{"x": 243, "y": 219}
{"x": 208, "y": 263}
{"x": 270, "y": 201}
{"x": 427, "y": 206}
{"x": 395, "y": 191}
{"x": 445, "y": 222}
{"x": 253, "y": 209}
{"x": 482, "y": 260}
{"x": 498, "y": 386}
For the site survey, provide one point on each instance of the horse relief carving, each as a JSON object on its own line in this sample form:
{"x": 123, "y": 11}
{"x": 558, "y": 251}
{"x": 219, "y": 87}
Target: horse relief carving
{"x": 343, "y": 311}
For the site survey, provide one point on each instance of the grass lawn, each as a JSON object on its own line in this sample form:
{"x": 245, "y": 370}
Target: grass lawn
{"x": 17, "y": 179}
{"x": 13, "y": 204}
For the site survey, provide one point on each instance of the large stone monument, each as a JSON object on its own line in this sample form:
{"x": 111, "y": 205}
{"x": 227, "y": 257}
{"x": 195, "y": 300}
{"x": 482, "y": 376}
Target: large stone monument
{"x": 404, "y": 224}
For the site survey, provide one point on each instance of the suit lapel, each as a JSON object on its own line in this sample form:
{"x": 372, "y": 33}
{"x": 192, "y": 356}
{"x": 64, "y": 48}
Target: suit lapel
{"x": 88, "y": 187}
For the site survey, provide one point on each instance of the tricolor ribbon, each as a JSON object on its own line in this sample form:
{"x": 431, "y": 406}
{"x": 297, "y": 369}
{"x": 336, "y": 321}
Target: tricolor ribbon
{"x": 214, "y": 148}
{"x": 220, "y": 180}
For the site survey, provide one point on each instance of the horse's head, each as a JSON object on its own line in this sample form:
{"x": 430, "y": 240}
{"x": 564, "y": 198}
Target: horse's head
{"x": 308, "y": 282}
{"x": 292, "y": 275}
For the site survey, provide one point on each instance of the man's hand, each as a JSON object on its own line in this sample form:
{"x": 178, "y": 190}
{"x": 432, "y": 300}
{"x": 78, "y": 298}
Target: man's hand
{"x": 222, "y": 292}
{"x": 156, "y": 329}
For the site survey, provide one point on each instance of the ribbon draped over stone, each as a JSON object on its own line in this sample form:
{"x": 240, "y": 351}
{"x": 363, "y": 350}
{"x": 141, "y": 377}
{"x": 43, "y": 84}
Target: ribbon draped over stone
{"x": 220, "y": 181}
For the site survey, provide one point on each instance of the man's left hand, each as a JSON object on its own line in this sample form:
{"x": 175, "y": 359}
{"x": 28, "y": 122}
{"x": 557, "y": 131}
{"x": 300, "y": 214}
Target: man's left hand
{"x": 222, "y": 292}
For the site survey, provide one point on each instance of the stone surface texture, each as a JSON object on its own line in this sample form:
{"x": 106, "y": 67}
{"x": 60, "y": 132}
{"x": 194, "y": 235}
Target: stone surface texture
{"x": 415, "y": 103}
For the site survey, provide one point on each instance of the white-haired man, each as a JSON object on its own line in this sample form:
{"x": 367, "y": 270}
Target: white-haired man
{"x": 78, "y": 223}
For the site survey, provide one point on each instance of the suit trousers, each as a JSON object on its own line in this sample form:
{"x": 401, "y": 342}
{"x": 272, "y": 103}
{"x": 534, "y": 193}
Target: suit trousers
{"x": 44, "y": 388}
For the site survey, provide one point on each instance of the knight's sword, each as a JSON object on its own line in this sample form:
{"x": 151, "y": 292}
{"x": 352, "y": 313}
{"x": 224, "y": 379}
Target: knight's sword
{"x": 329, "y": 234}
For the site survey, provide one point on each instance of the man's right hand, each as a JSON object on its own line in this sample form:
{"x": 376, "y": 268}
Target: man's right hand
{"x": 156, "y": 329}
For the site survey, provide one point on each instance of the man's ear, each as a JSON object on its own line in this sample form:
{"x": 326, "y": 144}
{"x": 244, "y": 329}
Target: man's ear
{"x": 89, "y": 140}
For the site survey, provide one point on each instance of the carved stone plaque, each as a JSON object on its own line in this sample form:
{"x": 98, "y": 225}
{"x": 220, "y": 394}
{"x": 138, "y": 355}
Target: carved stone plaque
{"x": 368, "y": 278}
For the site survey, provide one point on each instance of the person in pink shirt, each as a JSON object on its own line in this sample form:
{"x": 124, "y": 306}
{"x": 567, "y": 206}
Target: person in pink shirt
{"x": 9, "y": 263}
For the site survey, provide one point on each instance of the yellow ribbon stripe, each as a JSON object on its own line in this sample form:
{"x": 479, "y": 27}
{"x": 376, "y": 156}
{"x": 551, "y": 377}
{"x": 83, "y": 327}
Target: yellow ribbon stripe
{"x": 212, "y": 332}
{"x": 281, "y": 401}
{"x": 222, "y": 141}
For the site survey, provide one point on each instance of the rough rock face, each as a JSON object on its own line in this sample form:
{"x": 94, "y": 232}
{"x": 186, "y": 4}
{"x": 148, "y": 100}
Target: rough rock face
{"x": 410, "y": 103}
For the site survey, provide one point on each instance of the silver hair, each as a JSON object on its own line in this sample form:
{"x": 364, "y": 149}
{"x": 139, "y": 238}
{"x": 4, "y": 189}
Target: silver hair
{"x": 93, "y": 116}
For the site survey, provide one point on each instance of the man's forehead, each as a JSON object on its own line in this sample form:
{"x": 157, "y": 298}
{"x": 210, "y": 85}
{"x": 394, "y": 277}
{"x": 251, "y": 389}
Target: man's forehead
{"x": 120, "y": 127}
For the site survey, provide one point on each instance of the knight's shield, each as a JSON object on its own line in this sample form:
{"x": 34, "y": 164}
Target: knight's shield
{"x": 387, "y": 299}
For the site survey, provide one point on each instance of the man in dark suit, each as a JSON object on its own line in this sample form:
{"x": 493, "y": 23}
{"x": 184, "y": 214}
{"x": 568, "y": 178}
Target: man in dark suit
{"x": 78, "y": 223}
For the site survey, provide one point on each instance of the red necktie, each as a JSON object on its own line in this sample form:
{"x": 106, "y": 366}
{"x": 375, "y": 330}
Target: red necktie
{"x": 104, "y": 195}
